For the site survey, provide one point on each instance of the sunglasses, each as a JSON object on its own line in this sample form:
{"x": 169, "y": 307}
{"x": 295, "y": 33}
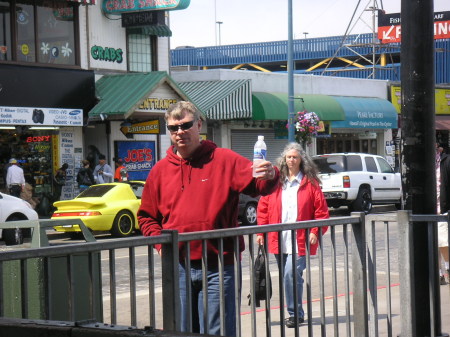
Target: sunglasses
{"x": 183, "y": 127}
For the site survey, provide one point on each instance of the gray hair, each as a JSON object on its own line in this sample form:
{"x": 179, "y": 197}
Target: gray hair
{"x": 307, "y": 166}
{"x": 177, "y": 111}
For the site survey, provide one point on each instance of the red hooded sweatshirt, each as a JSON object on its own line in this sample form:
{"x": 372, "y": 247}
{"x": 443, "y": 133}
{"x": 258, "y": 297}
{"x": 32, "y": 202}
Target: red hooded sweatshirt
{"x": 199, "y": 194}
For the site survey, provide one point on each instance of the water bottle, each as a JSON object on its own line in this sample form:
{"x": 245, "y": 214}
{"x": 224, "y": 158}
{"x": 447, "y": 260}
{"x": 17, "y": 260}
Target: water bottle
{"x": 259, "y": 155}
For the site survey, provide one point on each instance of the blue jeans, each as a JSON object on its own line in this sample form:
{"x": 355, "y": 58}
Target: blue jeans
{"x": 213, "y": 300}
{"x": 288, "y": 278}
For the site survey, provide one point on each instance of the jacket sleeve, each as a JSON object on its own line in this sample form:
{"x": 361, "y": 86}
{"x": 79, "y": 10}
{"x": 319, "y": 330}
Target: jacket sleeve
{"x": 262, "y": 211}
{"x": 91, "y": 176}
{"x": 320, "y": 208}
{"x": 149, "y": 217}
{"x": 243, "y": 181}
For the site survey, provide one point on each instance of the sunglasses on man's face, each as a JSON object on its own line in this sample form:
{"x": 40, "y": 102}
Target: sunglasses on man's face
{"x": 184, "y": 126}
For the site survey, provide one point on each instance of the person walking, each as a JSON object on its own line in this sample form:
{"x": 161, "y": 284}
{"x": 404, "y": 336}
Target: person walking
{"x": 103, "y": 173}
{"x": 59, "y": 180}
{"x": 196, "y": 187}
{"x": 443, "y": 206}
{"x": 121, "y": 173}
{"x": 15, "y": 179}
{"x": 85, "y": 178}
{"x": 297, "y": 198}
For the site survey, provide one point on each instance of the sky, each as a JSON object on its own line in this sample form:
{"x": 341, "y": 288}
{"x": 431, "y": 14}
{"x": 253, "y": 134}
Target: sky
{"x": 249, "y": 21}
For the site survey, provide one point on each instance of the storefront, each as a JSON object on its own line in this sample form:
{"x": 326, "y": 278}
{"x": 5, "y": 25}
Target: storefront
{"x": 128, "y": 122}
{"x": 442, "y": 109}
{"x": 42, "y": 114}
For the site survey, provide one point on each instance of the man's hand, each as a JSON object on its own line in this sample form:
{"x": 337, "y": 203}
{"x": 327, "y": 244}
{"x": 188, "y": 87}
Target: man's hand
{"x": 266, "y": 169}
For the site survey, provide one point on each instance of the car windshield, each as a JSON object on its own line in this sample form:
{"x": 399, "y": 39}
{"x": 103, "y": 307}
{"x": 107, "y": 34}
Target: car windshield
{"x": 137, "y": 189}
{"x": 330, "y": 164}
{"x": 338, "y": 163}
{"x": 96, "y": 191}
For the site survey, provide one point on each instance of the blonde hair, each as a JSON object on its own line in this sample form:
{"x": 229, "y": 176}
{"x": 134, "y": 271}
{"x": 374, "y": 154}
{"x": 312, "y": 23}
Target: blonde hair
{"x": 177, "y": 111}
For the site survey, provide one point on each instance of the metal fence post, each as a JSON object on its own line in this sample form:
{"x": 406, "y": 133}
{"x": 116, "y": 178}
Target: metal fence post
{"x": 359, "y": 272}
{"x": 406, "y": 272}
{"x": 170, "y": 283}
{"x": 372, "y": 275}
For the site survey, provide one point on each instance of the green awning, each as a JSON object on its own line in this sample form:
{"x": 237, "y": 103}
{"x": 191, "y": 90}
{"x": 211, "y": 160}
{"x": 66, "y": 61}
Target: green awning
{"x": 366, "y": 113}
{"x": 120, "y": 95}
{"x": 274, "y": 106}
{"x": 221, "y": 100}
{"x": 158, "y": 30}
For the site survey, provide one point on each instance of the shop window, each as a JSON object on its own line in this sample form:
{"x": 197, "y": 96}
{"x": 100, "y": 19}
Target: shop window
{"x": 34, "y": 152}
{"x": 45, "y": 31}
{"x": 141, "y": 52}
{"x": 5, "y": 31}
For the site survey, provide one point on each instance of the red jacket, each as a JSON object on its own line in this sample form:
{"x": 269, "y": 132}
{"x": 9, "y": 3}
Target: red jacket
{"x": 199, "y": 194}
{"x": 311, "y": 206}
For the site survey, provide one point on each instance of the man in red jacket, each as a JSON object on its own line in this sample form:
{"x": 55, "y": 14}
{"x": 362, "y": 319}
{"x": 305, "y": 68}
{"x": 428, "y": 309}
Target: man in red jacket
{"x": 196, "y": 187}
{"x": 297, "y": 198}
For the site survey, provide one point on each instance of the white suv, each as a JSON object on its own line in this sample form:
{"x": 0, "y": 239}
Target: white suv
{"x": 358, "y": 180}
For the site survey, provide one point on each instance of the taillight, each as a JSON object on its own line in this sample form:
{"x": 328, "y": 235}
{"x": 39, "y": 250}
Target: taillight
{"x": 346, "y": 181}
{"x": 63, "y": 214}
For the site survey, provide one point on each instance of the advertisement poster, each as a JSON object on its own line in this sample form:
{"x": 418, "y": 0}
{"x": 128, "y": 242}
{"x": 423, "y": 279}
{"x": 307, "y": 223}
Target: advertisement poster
{"x": 138, "y": 157}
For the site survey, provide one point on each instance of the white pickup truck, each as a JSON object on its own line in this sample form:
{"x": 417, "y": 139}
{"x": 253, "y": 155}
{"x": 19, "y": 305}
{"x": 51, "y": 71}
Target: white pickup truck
{"x": 358, "y": 180}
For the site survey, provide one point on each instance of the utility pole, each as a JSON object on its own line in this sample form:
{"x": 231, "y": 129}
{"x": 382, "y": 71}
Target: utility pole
{"x": 220, "y": 37}
{"x": 418, "y": 153}
{"x": 290, "y": 64}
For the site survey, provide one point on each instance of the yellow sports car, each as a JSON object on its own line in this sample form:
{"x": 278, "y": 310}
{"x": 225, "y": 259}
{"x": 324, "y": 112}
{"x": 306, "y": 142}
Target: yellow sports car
{"x": 105, "y": 207}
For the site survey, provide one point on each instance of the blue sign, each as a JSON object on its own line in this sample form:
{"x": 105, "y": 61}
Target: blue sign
{"x": 138, "y": 157}
{"x": 366, "y": 113}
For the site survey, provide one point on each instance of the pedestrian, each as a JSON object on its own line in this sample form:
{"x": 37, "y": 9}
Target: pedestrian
{"x": 103, "y": 173}
{"x": 443, "y": 206}
{"x": 121, "y": 173}
{"x": 297, "y": 198}
{"x": 196, "y": 187}
{"x": 15, "y": 179}
{"x": 59, "y": 180}
{"x": 85, "y": 178}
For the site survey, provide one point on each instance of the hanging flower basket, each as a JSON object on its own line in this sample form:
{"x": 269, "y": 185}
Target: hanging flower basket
{"x": 306, "y": 127}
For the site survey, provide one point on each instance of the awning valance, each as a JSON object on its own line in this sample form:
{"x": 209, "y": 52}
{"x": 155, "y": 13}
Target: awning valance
{"x": 366, "y": 113}
{"x": 121, "y": 95}
{"x": 221, "y": 100}
{"x": 84, "y": 2}
{"x": 158, "y": 30}
{"x": 274, "y": 106}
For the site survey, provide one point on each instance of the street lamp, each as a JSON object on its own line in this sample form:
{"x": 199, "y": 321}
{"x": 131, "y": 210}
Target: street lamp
{"x": 305, "y": 33}
{"x": 219, "y": 23}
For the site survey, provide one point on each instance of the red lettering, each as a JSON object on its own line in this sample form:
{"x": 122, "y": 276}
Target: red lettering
{"x": 139, "y": 155}
{"x": 37, "y": 139}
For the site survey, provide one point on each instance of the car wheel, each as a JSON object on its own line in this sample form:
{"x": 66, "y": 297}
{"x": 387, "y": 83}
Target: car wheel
{"x": 249, "y": 218}
{"x": 363, "y": 202}
{"x": 123, "y": 224}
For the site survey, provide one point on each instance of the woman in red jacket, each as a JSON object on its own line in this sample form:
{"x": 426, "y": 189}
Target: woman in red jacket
{"x": 297, "y": 198}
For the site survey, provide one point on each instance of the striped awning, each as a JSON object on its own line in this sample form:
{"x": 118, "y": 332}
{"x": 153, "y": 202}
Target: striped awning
{"x": 158, "y": 30}
{"x": 84, "y": 2}
{"x": 221, "y": 100}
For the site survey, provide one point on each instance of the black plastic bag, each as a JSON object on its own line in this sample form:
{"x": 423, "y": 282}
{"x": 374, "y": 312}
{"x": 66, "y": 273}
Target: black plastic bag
{"x": 261, "y": 283}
